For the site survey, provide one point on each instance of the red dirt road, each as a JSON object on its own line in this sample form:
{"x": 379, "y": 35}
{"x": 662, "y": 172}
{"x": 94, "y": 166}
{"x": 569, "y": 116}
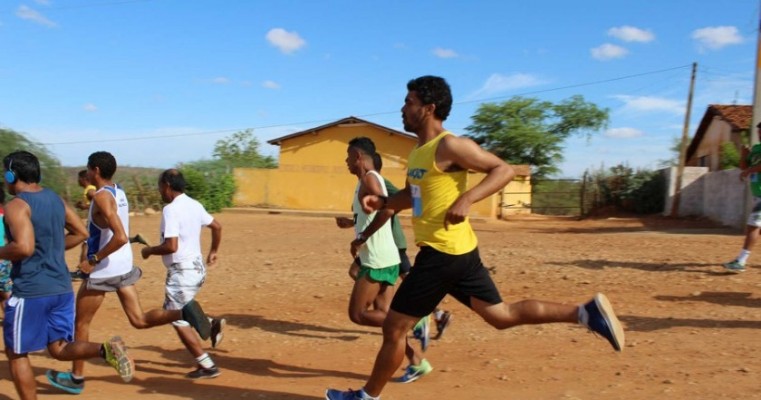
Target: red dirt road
{"x": 692, "y": 329}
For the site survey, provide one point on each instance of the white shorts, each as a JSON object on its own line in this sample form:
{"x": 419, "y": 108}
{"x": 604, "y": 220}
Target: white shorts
{"x": 754, "y": 218}
{"x": 183, "y": 281}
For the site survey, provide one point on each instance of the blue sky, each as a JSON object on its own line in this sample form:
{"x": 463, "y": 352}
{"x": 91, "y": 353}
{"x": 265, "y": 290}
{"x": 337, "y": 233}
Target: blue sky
{"x": 157, "y": 82}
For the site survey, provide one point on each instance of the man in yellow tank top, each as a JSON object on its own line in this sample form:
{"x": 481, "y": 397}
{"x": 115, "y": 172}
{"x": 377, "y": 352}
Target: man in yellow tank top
{"x": 448, "y": 261}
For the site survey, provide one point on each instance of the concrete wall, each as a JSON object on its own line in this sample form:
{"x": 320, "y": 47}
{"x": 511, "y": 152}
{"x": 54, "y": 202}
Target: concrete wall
{"x": 719, "y": 196}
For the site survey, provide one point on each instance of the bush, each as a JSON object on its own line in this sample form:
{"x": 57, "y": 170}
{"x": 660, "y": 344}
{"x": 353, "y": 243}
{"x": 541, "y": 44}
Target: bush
{"x": 210, "y": 183}
{"x": 730, "y": 157}
{"x": 641, "y": 191}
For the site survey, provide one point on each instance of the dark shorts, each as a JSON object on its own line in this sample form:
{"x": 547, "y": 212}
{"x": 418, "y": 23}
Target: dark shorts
{"x": 404, "y": 263}
{"x": 437, "y": 274}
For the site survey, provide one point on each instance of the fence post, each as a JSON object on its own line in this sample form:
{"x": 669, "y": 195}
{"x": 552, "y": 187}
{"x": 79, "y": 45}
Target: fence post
{"x": 583, "y": 212}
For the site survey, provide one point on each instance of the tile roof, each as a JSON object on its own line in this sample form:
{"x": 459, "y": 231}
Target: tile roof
{"x": 739, "y": 118}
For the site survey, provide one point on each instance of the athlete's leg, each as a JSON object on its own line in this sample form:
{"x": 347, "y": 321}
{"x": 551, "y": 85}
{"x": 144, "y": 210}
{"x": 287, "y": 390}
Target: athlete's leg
{"x": 130, "y": 300}
{"x": 22, "y": 374}
{"x": 392, "y": 350}
{"x": 88, "y": 303}
{"x": 503, "y": 316}
{"x": 362, "y": 297}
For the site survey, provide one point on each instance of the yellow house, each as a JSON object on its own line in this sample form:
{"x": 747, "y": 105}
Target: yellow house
{"x": 312, "y": 172}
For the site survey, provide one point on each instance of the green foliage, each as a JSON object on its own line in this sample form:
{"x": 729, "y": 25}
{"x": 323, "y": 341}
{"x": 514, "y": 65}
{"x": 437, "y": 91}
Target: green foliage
{"x": 641, "y": 191}
{"x": 211, "y": 181}
{"x": 556, "y": 197}
{"x": 529, "y": 131}
{"x": 241, "y": 149}
{"x": 214, "y": 189}
{"x": 730, "y": 157}
{"x": 52, "y": 175}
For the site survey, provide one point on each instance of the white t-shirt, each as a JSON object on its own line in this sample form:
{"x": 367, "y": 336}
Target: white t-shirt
{"x": 183, "y": 219}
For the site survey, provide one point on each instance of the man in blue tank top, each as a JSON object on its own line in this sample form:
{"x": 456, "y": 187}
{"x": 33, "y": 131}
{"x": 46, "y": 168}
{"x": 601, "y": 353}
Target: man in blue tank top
{"x": 40, "y": 312}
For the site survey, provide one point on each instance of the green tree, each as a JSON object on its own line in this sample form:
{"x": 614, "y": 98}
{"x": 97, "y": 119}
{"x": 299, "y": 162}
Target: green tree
{"x": 241, "y": 149}
{"x": 52, "y": 173}
{"x": 529, "y": 131}
{"x": 730, "y": 157}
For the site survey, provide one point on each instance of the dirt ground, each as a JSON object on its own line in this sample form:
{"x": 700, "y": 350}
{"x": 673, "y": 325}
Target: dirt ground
{"x": 692, "y": 330}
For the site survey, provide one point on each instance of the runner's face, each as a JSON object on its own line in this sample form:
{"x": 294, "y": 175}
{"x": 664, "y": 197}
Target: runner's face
{"x": 352, "y": 160}
{"x": 413, "y": 112}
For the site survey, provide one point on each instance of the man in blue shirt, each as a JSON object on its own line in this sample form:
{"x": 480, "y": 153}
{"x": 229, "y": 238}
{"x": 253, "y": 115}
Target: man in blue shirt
{"x": 40, "y": 226}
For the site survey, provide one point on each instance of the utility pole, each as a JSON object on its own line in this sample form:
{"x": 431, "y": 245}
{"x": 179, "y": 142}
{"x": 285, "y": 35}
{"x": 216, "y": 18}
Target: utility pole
{"x": 756, "y": 90}
{"x": 683, "y": 146}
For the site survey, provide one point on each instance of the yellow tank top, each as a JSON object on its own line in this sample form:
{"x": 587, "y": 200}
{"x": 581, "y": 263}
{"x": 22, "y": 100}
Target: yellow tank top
{"x": 433, "y": 192}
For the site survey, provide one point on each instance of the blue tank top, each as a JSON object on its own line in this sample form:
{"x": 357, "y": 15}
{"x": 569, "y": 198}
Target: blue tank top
{"x": 44, "y": 273}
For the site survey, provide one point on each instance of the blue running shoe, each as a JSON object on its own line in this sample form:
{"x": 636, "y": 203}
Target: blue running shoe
{"x": 422, "y": 332}
{"x": 735, "y": 266}
{"x": 415, "y": 372}
{"x": 64, "y": 381}
{"x": 333, "y": 394}
{"x": 602, "y": 320}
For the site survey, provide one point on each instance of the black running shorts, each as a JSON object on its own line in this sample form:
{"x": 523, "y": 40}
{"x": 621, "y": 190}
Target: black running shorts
{"x": 436, "y": 274}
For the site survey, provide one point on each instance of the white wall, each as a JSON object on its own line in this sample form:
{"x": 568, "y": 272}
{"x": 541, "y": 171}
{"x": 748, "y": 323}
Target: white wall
{"x": 719, "y": 196}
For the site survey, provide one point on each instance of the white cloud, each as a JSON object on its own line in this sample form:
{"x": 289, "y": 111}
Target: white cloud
{"x": 608, "y": 51}
{"x": 27, "y": 13}
{"x": 631, "y": 34}
{"x": 90, "y": 107}
{"x": 287, "y": 42}
{"x": 220, "y": 80}
{"x": 445, "y": 53}
{"x": 716, "y": 37}
{"x": 498, "y": 83}
{"x": 271, "y": 85}
{"x": 623, "y": 133}
{"x": 651, "y": 104}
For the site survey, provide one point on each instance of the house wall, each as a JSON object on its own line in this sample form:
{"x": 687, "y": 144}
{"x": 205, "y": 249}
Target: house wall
{"x": 709, "y": 149}
{"x": 327, "y": 148}
{"x": 314, "y": 188}
{"x": 312, "y": 174}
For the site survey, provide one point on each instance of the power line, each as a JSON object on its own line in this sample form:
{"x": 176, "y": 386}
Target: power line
{"x": 136, "y": 138}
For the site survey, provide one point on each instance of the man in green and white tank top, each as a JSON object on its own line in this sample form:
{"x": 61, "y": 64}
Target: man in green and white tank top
{"x": 750, "y": 163}
{"x": 375, "y": 251}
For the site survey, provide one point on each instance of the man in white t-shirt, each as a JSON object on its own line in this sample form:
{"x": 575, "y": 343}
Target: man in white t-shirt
{"x": 109, "y": 268}
{"x": 180, "y": 250}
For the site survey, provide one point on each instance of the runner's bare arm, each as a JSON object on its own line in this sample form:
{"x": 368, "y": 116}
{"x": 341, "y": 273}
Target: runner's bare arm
{"x": 464, "y": 154}
{"x": 216, "y": 239}
{"x": 399, "y": 201}
{"x": 19, "y": 220}
{"x": 76, "y": 232}
{"x": 168, "y": 246}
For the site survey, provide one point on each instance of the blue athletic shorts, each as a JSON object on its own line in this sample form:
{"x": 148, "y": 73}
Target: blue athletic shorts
{"x": 31, "y": 324}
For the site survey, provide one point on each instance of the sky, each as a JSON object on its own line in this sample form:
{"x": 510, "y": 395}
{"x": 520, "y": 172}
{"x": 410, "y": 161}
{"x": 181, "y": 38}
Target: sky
{"x": 158, "y": 82}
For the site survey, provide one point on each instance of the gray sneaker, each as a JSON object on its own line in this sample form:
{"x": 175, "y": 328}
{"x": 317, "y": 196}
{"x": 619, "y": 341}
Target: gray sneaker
{"x": 735, "y": 266}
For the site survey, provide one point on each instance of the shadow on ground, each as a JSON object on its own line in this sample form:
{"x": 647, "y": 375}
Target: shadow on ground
{"x": 715, "y": 269}
{"x": 300, "y": 329}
